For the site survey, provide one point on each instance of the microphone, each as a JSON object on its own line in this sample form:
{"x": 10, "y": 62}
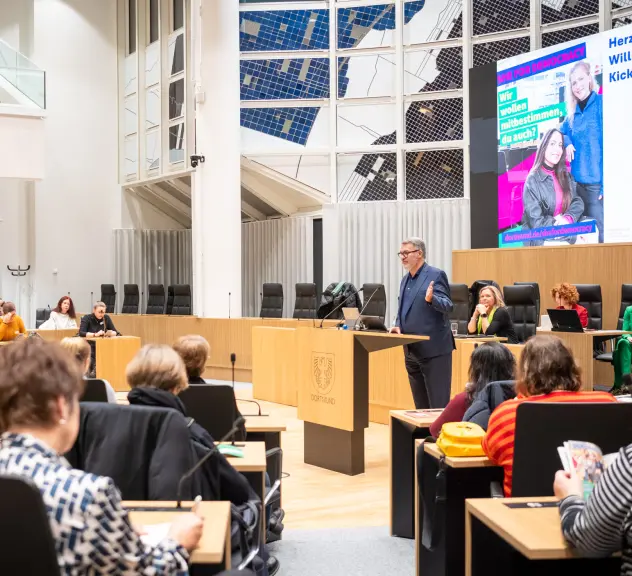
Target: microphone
{"x": 229, "y": 307}
{"x": 142, "y": 297}
{"x": 233, "y": 359}
{"x": 258, "y": 405}
{"x": 261, "y": 308}
{"x": 364, "y": 307}
{"x": 236, "y": 424}
{"x": 91, "y": 298}
{"x": 341, "y": 305}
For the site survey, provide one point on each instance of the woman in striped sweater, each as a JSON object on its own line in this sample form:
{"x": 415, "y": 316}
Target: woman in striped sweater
{"x": 602, "y": 525}
{"x": 547, "y": 373}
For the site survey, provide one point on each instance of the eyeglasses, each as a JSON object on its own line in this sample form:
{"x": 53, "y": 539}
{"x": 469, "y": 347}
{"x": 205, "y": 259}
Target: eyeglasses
{"x": 406, "y": 253}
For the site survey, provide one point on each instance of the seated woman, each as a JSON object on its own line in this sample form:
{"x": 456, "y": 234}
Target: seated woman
{"x": 39, "y": 419}
{"x": 490, "y": 362}
{"x": 567, "y": 298}
{"x": 547, "y": 373}
{"x": 550, "y": 194}
{"x": 194, "y": 351}
{"x": 80, "y": 350}
{"x": 491, "y": 317}
{"x": 156, "y": 376}
{"x": 599, "y": 526}
{"x": 622, "y": 357}
{"x": 63, "y": 317}
{"x": 11, "y": 325}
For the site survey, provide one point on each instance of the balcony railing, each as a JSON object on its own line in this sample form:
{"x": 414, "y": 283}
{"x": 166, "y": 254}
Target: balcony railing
{"x": 23, "y": 74}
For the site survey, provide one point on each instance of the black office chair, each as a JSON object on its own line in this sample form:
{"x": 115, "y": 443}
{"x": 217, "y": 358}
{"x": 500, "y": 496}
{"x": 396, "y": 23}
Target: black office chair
{"x": 108, "y": 297}
{"x": 41, "y": 315}
{"x": 272, "y": 301}
{"x": 26, "y": 542}
{"x": 170, "y": 297}
{"x": 377, "y": 305}
{"x": 95, "y": 390}
{"x": 475, "y": 288}
{"x": 155, "y": 299}
{"x": 626, "y": 301}
{"x": 590, "y": 298}
{"x": 212, "y": 406}
{"x": 536, "y": 288}
{"x": 181, "y": 300}
{"x": 461, "y": 299}
{"x": 305, "y": 305}
{"x": 521, "y": 303}
{"x": 131, "y": 299}
{"x": 543, "y": 426}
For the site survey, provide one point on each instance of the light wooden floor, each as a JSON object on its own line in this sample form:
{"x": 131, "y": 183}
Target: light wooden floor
{"x": 317, "y": 498}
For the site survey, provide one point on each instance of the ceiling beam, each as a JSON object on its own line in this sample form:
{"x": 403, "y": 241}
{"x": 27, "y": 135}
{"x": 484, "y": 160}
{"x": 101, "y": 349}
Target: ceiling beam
{"x": 255, "y": 186}
{"x": 252, "y": 211}
{"x": 160, "y": 205}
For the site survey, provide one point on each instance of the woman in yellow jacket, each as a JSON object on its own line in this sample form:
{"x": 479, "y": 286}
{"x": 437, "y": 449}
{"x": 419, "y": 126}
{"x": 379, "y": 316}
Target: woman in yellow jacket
{"x": 11, "y": 324}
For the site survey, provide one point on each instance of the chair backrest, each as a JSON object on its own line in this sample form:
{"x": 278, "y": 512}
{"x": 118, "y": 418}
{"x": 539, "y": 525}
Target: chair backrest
{"x": 41, "y": 315}
{"x": 145, "y": 450}
{"x": 626, "y": 301}
{"x": 95, "y": 390}
{"x": 476, "y": 287}
{"x": 543, "y": 426}
{"x": 272, "y": 301}
{"x": 131, "y": 299}
{"x": 590, "y": 298}
{"x": 305, "y": 305}
{"x": 155, "y": 299}
{"x": 462, "y": 305}
{"x": 212, "y": 406}
{"x": 536, "y": 288}
{"x": 181, "y": 300}
{"x": 520, "y": 301}
{"x": 108, "y": 297}
{"x": 26, "y": 542}
{"x": 377, "y": 305}
{"x": 170, "y": 297}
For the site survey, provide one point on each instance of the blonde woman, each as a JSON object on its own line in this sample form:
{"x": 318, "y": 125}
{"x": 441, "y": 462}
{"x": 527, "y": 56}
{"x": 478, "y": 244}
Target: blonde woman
{"x": 583, "y": 139}
{"x": 491, "y": 317}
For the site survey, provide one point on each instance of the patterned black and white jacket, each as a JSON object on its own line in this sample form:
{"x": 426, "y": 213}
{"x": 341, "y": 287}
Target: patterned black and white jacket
{"x": 92, "y": 530}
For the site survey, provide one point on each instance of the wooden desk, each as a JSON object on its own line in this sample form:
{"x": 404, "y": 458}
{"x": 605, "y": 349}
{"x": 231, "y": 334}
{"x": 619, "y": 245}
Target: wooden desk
{"x": 404, "y": 428}
{"x": 112, "y": 357}
{"x": 57, "y": 335}
{"x": 215, "y": 546}
{"x": 503, "y": 540}
{"x": 464, "y": 478}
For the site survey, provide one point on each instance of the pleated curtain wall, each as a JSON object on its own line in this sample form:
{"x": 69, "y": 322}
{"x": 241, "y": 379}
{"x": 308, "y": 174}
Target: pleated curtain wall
{"x": 275, "y": 251}
{"x": 361, "y": 240}
{"x": 146, "y": 257}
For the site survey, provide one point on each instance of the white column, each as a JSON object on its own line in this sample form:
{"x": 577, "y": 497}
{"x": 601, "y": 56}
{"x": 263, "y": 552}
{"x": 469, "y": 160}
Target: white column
{"x": 216, "y": 205}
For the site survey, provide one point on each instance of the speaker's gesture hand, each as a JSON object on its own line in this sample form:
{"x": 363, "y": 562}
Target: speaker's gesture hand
{"x": 430, "y": 292}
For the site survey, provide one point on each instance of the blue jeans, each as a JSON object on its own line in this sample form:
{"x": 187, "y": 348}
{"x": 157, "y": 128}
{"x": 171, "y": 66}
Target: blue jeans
{"x": 593, "y": 207}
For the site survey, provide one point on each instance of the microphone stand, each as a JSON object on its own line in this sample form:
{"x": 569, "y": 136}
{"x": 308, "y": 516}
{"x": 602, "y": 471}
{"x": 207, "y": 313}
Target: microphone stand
{"x": 236, "y": 424}
{"x": 233, "y": 359}
{"x": 229, "y": 305}
{"x": 364, "y": 307}
{"x": 340, "y": 305}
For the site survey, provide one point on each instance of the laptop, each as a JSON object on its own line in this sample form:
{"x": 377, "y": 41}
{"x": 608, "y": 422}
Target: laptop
{"x": 565, "y": 320}
{"x": 351, "y": 313}
{"x": 373, "y": 323}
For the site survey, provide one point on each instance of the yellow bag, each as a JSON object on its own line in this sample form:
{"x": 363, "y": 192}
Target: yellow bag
{"x": 461, "y": 439}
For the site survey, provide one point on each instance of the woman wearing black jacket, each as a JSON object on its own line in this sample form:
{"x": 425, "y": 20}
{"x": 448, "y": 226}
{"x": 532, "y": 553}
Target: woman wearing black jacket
{"x": 156, "y": 376}
{"x": 491, "y": 317}
{"x": 550, "y": 195}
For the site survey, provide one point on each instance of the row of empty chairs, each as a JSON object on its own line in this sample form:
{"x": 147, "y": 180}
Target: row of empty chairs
{"x": 177, "y": 300}
{"x": 524, "y": 304}
{"x": 306, "y": 303}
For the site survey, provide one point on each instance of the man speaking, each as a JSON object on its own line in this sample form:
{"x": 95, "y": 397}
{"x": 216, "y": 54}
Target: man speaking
{"x": 424, "y": 304}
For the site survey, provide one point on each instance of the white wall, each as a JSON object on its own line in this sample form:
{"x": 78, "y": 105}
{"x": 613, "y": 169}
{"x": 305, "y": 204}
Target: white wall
{"x": 79, "y": 202}
{"x": 22, "y": 146}
{"x": 16, "y": 19}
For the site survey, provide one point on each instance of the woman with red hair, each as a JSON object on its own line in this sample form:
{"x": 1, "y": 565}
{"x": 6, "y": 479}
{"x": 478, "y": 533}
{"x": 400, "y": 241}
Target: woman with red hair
{"x": 63, "y": 317}
{"x": 567, "y": 298}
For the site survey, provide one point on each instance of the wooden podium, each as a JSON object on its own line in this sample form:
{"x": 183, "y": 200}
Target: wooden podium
{"x": 113, "y": 356}
{"x": 333, "y": 393}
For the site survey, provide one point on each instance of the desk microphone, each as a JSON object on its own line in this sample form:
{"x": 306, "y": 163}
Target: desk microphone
{"x": 229, "y": 305}
{"x": 236, "y": 424}
{"x": 261, "y": 304}
{"x": 258, "y": 406}
{"x": 364, "y": 307}
{"x": 341, "y": 305}
{"x": 233, "y": 359}
{"x": 92, "y": 299}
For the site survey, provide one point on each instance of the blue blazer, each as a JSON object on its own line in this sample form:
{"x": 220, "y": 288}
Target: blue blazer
{"x": 428, "y": 318}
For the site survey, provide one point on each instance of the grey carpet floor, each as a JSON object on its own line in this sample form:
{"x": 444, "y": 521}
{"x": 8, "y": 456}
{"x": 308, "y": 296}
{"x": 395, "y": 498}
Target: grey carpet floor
{"x": 344, "y": 552}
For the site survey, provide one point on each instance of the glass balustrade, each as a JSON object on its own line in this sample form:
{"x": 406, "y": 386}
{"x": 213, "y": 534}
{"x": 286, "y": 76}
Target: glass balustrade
{"x": 20, "y": 72}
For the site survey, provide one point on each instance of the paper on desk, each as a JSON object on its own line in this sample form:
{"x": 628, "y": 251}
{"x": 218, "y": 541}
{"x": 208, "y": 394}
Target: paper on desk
{"x": 155, "y": 533}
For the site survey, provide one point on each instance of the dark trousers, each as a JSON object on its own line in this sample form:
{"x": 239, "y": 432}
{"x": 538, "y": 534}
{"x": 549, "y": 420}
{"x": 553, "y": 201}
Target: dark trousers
{"x": 593, "y": 207}
{"x": 430, "y": 379}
